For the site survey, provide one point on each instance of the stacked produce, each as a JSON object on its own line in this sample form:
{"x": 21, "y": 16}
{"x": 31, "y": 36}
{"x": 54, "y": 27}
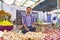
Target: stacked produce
{"x": 12, "y": 36}
{"x": 39, "y": 21}
{"x": 50, "y": 35}
{"x": 4, "y": 17}
{"x": 19, "y": 36}
{"x": 53, "y": 35}
{"x": 2, "y": 13}
{"x": 36, "y": 35}
{"x": 5, "y": 23}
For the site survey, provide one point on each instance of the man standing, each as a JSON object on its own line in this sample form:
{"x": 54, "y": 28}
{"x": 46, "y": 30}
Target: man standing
{"x": 28, "y": 21}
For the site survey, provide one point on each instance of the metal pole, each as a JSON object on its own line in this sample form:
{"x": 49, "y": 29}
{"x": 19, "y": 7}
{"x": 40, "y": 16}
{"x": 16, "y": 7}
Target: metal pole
{"x": 1, "y": 4}
{"x": 57, "y": 13}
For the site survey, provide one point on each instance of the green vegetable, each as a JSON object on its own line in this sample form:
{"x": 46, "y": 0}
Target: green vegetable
{"x": 39, "y": 21}
{"x": 1, "y": 19}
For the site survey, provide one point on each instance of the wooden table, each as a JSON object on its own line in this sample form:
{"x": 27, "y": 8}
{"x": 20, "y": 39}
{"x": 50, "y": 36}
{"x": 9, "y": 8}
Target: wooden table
{"x": 42, "y": 27}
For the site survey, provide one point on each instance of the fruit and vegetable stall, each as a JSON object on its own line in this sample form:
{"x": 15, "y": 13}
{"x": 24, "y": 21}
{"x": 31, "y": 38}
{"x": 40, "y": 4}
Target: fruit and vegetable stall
{"x": 11, "y": 35}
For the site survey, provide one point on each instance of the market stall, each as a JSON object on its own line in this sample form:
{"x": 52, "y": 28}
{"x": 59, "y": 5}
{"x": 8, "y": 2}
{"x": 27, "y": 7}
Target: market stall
{"x": 44, "y": 13}
{"x": 5, "y": 24}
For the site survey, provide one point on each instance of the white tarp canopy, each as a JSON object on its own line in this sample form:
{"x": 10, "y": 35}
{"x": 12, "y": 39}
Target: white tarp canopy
{"x": 25, "y": 3}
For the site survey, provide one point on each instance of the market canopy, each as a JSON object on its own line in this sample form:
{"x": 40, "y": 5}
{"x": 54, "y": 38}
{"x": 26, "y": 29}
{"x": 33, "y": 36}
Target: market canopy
{"x": 37, "y": 5}
{"x": 25, "y": 3}
{"x": 47, "y": 5}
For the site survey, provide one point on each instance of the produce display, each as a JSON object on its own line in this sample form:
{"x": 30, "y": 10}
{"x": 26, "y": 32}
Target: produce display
{"x": 1, "y": 19}
{"x": 2, "y": 13}
{"x": 50, "y": 35}
{"x": 5, "y": 23}
{"x": 19, "y": 36}
{"x": 39, "y": 21}
{"x": 59, "y": 26}
{"x": 53, "y": 34}
{"x": 36, "y": 35}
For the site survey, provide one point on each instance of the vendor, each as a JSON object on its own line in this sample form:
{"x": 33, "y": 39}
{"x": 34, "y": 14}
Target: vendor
{"x": 28, "y": 21}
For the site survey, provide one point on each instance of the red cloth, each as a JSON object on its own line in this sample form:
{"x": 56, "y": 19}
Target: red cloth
{"x": 1, "y": 38}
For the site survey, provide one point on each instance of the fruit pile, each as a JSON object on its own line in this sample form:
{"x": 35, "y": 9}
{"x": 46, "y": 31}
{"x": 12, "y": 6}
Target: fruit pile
{"x": 36, "y": 35}
{"x": 50, "y": 35}
{"x": 53, "y": 35}
{"x": 5, "y": 23}
{"x": 28, "y": 36}
{"x": 4, "y": 13}
{"x": 12, "y": 36}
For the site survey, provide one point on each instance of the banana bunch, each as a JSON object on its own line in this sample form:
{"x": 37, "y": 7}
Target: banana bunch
{"x": 6, "y": 23}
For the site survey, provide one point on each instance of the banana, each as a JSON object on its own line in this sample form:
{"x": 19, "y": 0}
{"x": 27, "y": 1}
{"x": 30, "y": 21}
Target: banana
{"x": 6, "y": 23}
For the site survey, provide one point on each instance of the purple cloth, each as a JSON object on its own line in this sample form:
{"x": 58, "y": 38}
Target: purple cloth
{"x": 28, "y": 19}
{"x": 8, "y": 28}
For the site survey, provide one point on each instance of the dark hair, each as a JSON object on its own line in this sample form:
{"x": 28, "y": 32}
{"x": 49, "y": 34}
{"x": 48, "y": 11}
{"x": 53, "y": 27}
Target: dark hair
{"x": 28, "y": 7}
